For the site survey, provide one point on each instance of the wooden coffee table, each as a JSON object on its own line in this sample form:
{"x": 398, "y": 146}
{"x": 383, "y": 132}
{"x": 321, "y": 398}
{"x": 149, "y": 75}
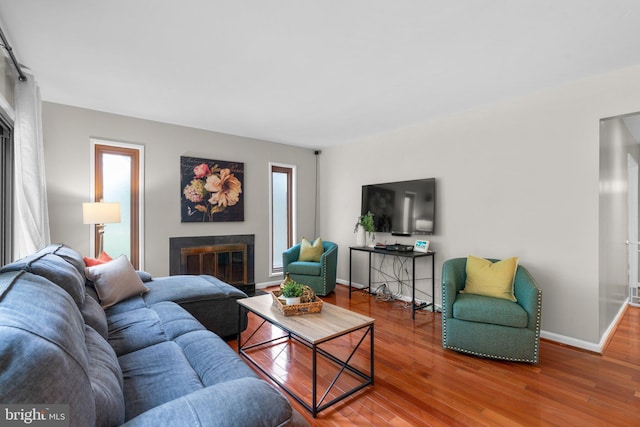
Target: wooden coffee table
{"x": 312, "y": 330}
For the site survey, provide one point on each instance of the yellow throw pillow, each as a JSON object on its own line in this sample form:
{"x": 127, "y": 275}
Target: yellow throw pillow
{"x": 310, "y": 252}
{"x": 491, "y": 279}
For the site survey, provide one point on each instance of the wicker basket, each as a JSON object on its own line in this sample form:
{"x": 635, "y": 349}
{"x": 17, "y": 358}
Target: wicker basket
{"x": 296, "y": 309}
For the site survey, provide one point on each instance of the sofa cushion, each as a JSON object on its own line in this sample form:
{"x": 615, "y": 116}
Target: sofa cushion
{"x": 115, "y": 281}
{"x": 94, "y": 316}
{"x": 106, "y": 380}
{"x": 174, "y": 368}
{"x": 145, "y": 276}
{"x": 155, "y": 375}
{"x": 497, "y": 311}
{"x": 211, "y": 358}
{"x": 310, "y": 251}
{"x": 260, "y": 406}
{"x": 492, "y": 279}
{"x": 43, "y": 356}
{"x": 211, "y": 301}
{"x": 68, "y": 254}
{"x": 304, "y": 268}
{"x": 132, "y": 303}
{"x": 185, "y": 289}
{"x": 54, "y": 268}
{"x": 91, "y": 291}
{"x": 132, "y": 330}
{"x": 163, "y": 348}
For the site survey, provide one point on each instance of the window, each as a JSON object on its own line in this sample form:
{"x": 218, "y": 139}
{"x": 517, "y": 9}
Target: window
{"x": 117, "y": 177}
{"x": 6, "y": 192}
{"x": 282, "y": 225}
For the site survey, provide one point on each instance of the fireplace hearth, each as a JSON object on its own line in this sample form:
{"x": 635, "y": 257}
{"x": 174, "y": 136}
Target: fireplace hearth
{"x": 230, "y": 258}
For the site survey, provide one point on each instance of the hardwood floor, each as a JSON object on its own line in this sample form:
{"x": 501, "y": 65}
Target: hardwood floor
{"x": 418, "y": 383}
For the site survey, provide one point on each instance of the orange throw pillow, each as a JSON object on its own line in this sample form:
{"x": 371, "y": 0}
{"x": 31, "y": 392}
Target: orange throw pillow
{"x": 102, "y": 258}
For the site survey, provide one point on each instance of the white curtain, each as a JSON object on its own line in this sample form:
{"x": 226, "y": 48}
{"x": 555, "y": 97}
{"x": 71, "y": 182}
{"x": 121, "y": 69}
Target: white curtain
{"x": 31, "y": 220}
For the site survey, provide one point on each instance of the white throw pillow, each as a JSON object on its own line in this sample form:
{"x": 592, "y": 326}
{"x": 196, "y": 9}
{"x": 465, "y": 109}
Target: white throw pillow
{"x": 115, "y": 281}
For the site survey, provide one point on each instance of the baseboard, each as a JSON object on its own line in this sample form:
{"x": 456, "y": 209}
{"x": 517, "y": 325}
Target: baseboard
{"x": 571, "y": 342}
{"x": 551, "y": 336}
{"x": 606, "y": 337}
{"x": 587, "y": 345}
{"x": 277, "y": 282}
{"x": 267, "y": 284}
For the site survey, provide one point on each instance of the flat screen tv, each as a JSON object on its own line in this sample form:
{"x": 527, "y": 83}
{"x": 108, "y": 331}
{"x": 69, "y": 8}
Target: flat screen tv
{"x": 402, "y": 208}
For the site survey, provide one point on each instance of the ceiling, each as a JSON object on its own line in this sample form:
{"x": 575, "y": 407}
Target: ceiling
{"x": 312, "y": 73}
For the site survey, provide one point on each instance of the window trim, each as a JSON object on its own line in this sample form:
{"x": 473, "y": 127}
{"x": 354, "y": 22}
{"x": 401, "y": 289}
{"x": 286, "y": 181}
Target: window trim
{"x": 292, "y": 230}
{"x": 139, "y": 205}
{"x": 7, "y": 168}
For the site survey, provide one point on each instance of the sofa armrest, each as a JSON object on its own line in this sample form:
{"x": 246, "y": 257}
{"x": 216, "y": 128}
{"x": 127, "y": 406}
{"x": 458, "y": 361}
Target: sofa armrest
{"x": 246, "y": 402}
{"x": 290, "y": 255}
{"x": 330, "y": 254}
{"x": 453, "y": 278}
{"x": 528, "y": 295}
{"x": 329, "y": 261}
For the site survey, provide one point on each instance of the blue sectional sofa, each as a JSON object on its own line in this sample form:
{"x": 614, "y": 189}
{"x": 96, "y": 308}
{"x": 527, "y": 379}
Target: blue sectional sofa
{"x": 145, "y": 361}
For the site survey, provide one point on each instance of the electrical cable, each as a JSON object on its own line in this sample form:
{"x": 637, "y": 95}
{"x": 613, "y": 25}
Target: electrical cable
{"x": 400, "y": 275}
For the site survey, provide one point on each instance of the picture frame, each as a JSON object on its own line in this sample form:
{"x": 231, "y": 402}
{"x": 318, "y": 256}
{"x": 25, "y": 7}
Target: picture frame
{"x": 211, "y": 190}
{"x": 421, "y": 246}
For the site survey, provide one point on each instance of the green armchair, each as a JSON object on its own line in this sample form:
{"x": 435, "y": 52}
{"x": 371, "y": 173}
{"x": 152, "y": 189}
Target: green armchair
{"x": 319, "y": 276}
{"x": 490, "y": 327}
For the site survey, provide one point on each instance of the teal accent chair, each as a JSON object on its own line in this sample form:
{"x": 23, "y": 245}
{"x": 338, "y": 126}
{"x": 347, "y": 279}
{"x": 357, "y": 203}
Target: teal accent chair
{"x": 490, "y": 327}
{"x": 319, "y": 276}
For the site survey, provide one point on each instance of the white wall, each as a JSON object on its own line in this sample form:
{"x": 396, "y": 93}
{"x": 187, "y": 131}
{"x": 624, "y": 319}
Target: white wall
{"x": 67, "y": 131}
{"x": 519, "y": 178}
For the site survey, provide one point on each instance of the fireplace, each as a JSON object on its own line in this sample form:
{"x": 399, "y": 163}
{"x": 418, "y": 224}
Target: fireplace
{"x": 230, "y": 258}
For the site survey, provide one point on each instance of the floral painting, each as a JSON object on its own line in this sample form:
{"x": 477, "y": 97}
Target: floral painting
{"x": 212, "y": 190}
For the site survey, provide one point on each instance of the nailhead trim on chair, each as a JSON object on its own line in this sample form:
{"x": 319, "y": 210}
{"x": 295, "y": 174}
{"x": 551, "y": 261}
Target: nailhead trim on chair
{"x": 492, "y": 356}
{"x": 537, "y": 341}
{"x": 538, "y": 316}
{"x": 324, "y": 275}
{"x": 444, "y": 318}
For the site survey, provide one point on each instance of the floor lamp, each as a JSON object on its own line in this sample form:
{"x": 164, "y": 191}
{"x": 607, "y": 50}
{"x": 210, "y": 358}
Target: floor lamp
{"x": 99, "y": 214}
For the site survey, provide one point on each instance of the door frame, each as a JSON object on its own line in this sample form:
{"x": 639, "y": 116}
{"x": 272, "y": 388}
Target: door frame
{"x": 632, "y": 243}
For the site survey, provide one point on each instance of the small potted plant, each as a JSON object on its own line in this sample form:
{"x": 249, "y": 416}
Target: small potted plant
{"x": 364, "y": 225}
{"x": 292, "y": 291}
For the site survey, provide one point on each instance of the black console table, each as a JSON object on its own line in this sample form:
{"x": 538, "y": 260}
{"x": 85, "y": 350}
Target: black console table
{"x": 409, "y": 254}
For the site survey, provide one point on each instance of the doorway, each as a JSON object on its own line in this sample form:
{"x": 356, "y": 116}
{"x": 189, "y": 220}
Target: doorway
{"x": 618, "y": 215}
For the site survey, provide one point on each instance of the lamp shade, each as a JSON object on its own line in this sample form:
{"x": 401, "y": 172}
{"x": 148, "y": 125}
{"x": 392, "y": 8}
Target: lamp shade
{"x": 100, "y": 213}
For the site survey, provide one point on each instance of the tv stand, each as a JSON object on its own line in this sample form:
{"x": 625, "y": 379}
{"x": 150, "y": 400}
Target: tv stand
{"x": 411, "y": 254}
{"x": 400, "y": 233}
